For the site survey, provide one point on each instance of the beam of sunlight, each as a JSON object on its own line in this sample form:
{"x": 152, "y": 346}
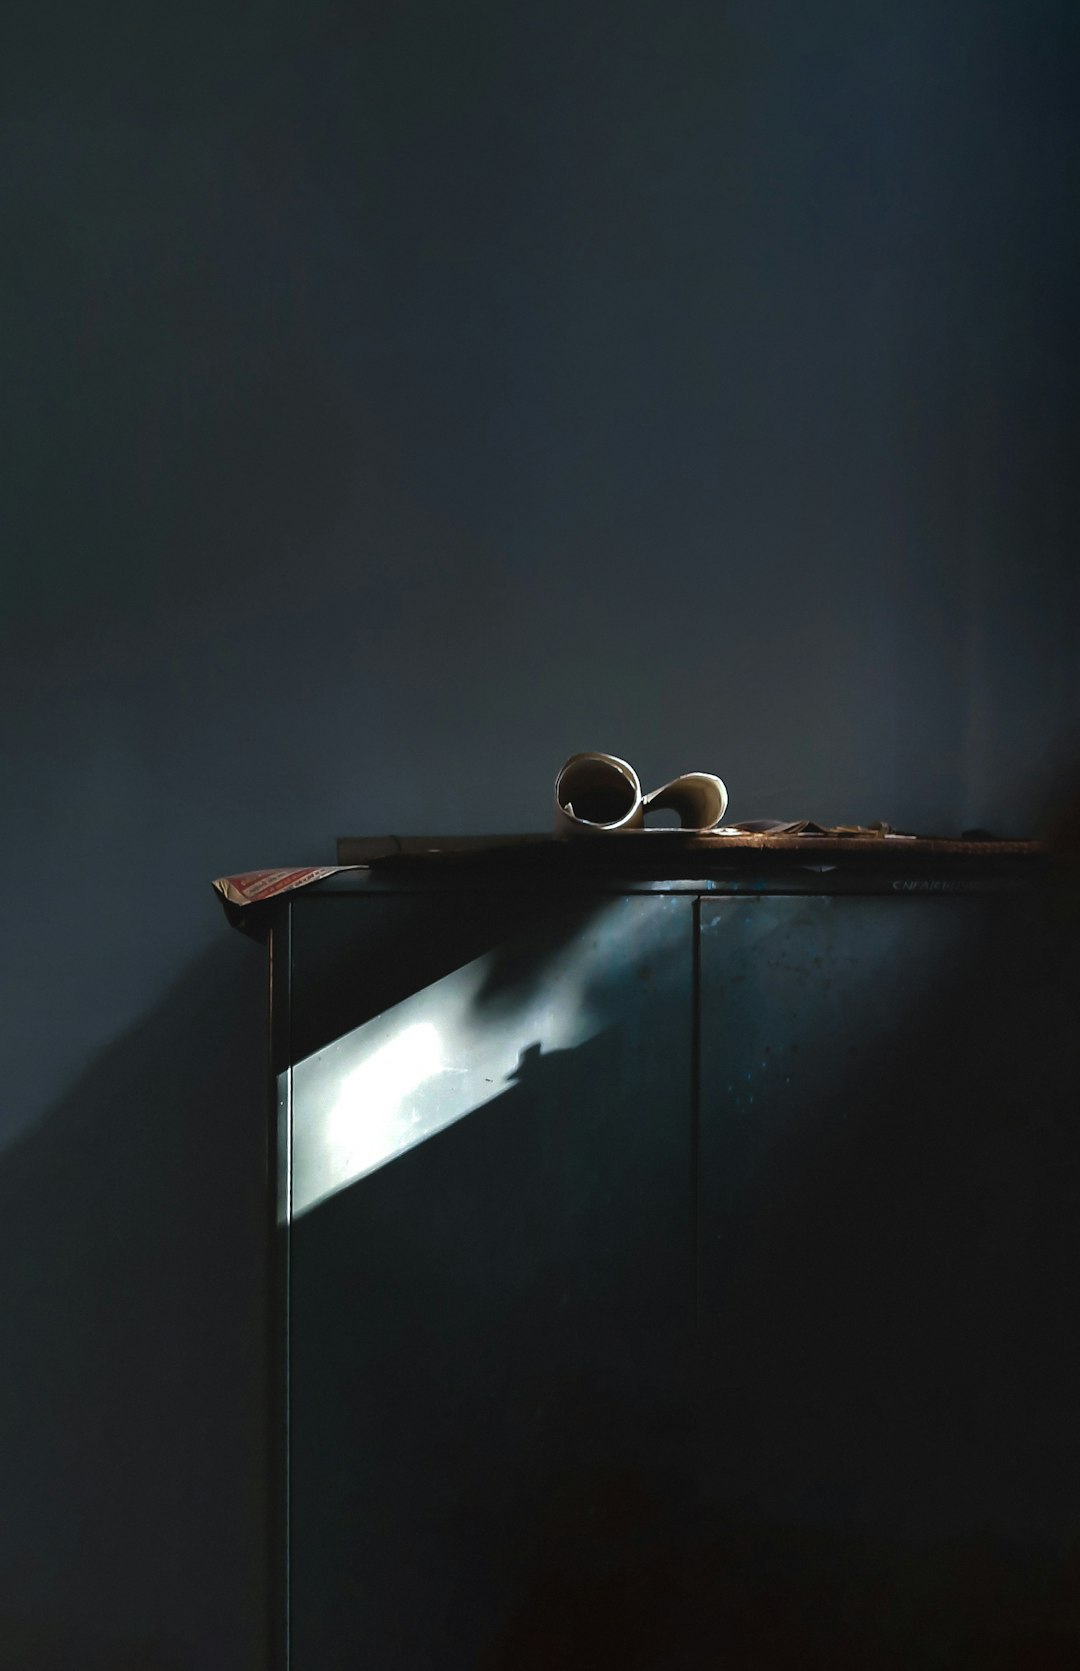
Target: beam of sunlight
{"x": 371, "y": 1117}
{"x": 454, "y": 1046}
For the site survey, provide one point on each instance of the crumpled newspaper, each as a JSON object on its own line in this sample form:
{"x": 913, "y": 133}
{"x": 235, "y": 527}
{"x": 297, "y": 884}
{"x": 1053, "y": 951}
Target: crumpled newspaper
{"x": 599, "y": 794}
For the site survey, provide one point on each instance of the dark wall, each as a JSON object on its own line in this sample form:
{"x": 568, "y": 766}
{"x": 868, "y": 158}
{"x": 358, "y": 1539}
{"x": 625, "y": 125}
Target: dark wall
{"x": 400, "y": 397}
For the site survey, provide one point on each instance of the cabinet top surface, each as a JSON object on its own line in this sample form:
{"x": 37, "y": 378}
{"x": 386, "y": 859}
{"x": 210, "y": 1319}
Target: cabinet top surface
{"x": 655, "y": 861}
{"x": 663, "y": 859}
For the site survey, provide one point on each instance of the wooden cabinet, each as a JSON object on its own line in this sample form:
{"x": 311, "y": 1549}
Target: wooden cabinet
{"x": 675, "y": 1266}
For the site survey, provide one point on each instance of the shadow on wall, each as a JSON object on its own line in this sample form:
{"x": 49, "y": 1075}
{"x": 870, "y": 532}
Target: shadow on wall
{"x": 132, "y": 1234}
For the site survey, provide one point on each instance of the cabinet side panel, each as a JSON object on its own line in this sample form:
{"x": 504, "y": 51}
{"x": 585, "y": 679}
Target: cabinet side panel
{"x": 492, "y": 1269}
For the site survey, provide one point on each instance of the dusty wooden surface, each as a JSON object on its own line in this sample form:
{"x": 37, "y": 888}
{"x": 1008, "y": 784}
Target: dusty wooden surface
{"x": 640, "y": 844}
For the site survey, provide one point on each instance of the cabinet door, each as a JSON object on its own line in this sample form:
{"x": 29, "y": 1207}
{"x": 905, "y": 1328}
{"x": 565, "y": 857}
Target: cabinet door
{"x": 889, "y": 1261}
{"x": 491, "y": 1262}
